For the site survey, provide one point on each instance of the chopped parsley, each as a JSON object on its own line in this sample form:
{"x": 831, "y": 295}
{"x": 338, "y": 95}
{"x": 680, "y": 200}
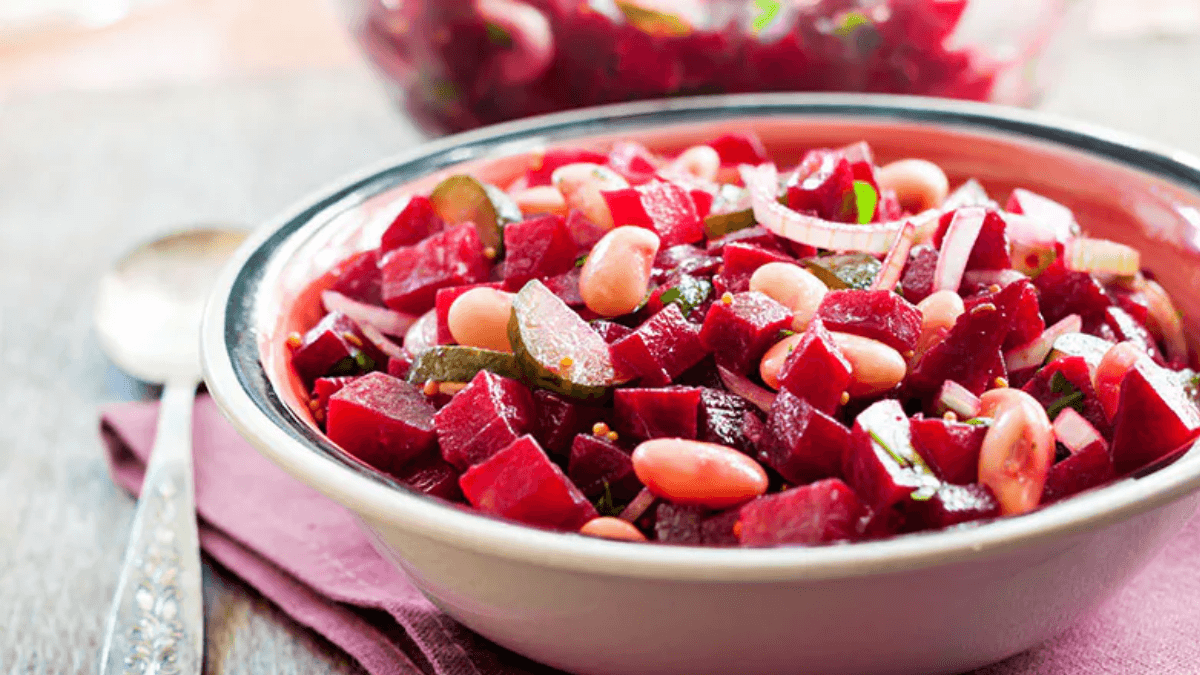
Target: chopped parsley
{"x": 1070, "y": 397}
{"x": 768, "y": 9}
{"x": 900, "y": 459}
{"x": 581, "y": 260}
{"x": 498, "y": 36}
{"x": 670, "y": 295}
{"x": 785, "y": 332}
{"x": 605, "y": 505}
{"x": 688, "y": 293}
{"x": 851, "y": 22}
{"x": 865, "y": 200}
{"x": 979, "y": 421}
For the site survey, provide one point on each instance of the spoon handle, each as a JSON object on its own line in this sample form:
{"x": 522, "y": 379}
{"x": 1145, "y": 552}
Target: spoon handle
{"x": 156, "y": 623}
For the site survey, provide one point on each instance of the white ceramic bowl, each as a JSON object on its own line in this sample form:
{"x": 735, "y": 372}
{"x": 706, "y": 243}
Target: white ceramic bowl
{"x": 930, "y": 603}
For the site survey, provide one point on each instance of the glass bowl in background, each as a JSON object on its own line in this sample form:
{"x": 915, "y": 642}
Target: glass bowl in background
{"x": 459, "y": 64}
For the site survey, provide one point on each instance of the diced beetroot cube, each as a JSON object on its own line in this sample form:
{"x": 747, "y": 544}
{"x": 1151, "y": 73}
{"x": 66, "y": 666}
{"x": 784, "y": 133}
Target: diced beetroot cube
{"x": 566, "y": 286}
{"x": 734, "y": 149}
{"x": 824, "y": 187}
{"x": 722, "y": 419}
{"x": 991, "y": 250}
{"x": 970, "y": 353}
{"x": 334, "y": 346}
{"x": 881, "y": 463}
{"x": 1062, "y": 292}
{"x": 1125, "y": 328}
{"x": 719, "y": 529}
{"x": 542, "y": 166}
{"x": 952, "y": 505}
{"x": 754, "y": 236}
{"x": 663, "y": 207}
{"x": 381, "y": 420}
{"x": 816, "y": 370}
{"x": 694, "y": 259}
{"x": 583, "y": 230}
{"x": 412, "y": 275}
{"x": 536, "y": 248}
{"x": 672, "y": 412}
{"x": 951, "y": 449}
{"x": 417, "y": 221}
{"x": 398, "y": 366}
{"x": 559, "y": 419}
{"x": 660, "y": 349}
{"x": 521, "y": 483}
{"x": 703, "y": 201}
{"x": 442, "y": 301}
{"x": 818, "y": 513}
{"x": 1154, "y": 417}
{"x": 740, "y": 331}
{"x": 1090, "y": 467}
{"x": 1077, "y": 373}
{"x": 741, "y": 260}
{"x": 611, "y": 332}
{"x": 633, "y": 161}
{"x": 323, "y": 389}
{"x": 917, "y": 281}
{"x": 491, "y": 412}
{"x": 358, "y": 278}
{"x": 806, "y": 444}
{"x": 679, "y": 524}
{"x": 597, "y": 462}
{"x": 1027, "y": 321}
{"x": 879, "y": 315}
{"x": 432, "y": 475}
{"x": 1135, "y": 303}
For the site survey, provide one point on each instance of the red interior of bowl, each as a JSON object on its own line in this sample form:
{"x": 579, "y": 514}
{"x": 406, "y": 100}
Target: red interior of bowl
{"x": 1110, "y": 200}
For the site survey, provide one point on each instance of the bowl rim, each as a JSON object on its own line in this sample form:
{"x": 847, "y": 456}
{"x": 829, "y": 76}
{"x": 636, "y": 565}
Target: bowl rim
{"x": 230, "y": 355}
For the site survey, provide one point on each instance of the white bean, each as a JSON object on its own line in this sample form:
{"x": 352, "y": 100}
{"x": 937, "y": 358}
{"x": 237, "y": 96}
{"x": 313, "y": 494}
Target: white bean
{"x": 479, "y": 318}
{"x": 581, "y": 184}
{"x": 699, "y": 161}
{"x": 616, "y": 274}
{"x": 1017, "y": 451}
{"x": 939, "y": 312}
{"x": 540, "y": 199}
{"x": 792, "y": 286}
{"x": 875, "y": 367}
{"x": 919, "y": 185}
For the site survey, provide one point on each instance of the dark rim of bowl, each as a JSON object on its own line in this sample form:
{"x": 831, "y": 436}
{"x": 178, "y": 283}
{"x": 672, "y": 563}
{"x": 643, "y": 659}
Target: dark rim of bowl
{"x": 234, "y": 308}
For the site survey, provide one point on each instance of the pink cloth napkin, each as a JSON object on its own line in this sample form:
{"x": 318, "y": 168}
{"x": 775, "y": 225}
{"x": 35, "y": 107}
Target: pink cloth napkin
{"x": 306, "y": 554}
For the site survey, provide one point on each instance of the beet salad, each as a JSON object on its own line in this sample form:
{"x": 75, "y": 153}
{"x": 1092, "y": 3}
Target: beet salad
{"x": 710, "y": 349}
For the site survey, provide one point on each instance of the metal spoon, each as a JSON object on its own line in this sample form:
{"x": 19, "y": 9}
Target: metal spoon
{"x": 147, "y": 317}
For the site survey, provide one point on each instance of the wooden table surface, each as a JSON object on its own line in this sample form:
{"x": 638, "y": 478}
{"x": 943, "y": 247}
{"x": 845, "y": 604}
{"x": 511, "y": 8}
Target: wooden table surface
{"x": 85, "y": 176}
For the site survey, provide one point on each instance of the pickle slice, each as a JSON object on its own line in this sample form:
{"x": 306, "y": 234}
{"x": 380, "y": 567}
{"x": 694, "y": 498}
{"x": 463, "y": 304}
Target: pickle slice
{"x": 461, "y": 198}
{"x": 555, "y": 348}
{"x": 458, "y": 363}
{"x": 850, "y": 270}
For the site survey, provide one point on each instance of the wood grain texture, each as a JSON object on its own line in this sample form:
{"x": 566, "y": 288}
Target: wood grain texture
{"x": 85, "y": 177}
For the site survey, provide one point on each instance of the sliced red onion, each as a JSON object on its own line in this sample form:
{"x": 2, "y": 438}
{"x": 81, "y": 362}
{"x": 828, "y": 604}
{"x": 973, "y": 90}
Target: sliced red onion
{"x": 638, "y": 507}
{"x": 532, "y": 48}
{"x": 387, "y": 321}
{"x": 381, "y": 341}
{"x": 763, "y": 182}
{"x": 956, "y": 247}
{"x": 742, "y": 386}
{"x": 957, "y": 399}
{"x": 1034, "y": 353}
{"x": 1074, "y": 431}
{"x": 1000, "y": 278}
{"x": 970, "y": 193}
{"x": 1101, "y": 256}
{"x": 893, "y": 263}
{"x": 1166, "y": 321}
{"x": 422, "y": 334}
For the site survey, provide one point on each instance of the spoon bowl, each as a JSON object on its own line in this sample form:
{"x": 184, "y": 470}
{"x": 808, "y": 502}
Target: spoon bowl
{"x": 147, "y": 317}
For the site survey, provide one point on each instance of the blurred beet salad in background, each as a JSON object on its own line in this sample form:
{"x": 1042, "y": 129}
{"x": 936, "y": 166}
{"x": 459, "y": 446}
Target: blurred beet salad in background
{"x": 462, "y": 64}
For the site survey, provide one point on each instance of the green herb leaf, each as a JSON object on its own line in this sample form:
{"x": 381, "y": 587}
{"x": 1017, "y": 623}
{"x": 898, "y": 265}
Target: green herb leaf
{"x": 581, "y": 260}
{"x": 979, "y": 421}
{"x": 900, "y": 459}
{"x": 1070, "y": 396}
{"x": 498, "y": 36}
{"x": 851, "y": 22}
{"x": 786, "y": 333}
{"x": 605, "y": 505}
{"x": 768, "y": 9}
{"x": 866, "y": 199}
{"x": 923, "y": 494}
{"x": 670, "y": 295}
